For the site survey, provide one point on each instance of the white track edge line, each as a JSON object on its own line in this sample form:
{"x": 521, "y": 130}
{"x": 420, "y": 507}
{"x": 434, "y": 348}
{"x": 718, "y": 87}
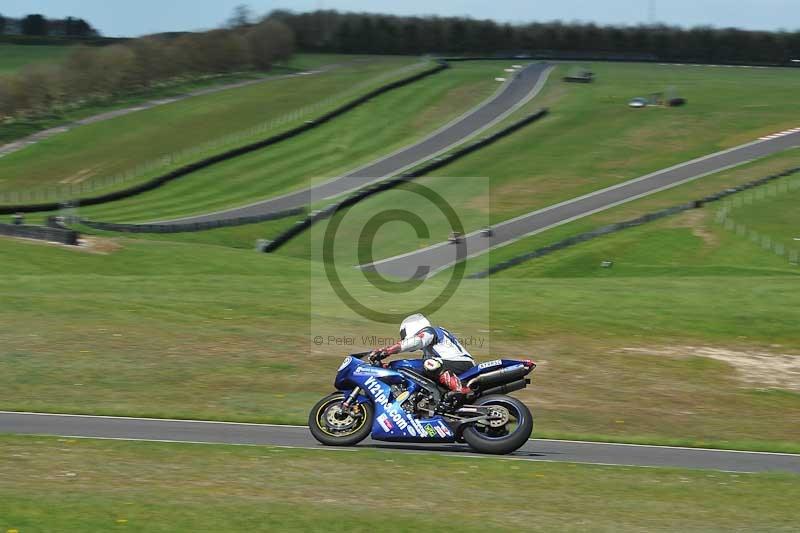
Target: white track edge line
{"x": 171, "y": 441}
{"x": 357, "y": 449}
{"x": 33, "y": 413}
{"x": 143, "y": 418}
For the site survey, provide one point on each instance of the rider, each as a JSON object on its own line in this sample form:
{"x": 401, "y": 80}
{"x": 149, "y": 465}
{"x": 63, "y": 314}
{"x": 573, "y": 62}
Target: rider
{"x": 444, "y": 357}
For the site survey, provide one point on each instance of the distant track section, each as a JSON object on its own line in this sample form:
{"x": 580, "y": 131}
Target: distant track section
{"x": 388, "y": 184}
{"x": 513, "y": 94}
{"x": 439, "y": 256}
{"x": 230, "y": 154}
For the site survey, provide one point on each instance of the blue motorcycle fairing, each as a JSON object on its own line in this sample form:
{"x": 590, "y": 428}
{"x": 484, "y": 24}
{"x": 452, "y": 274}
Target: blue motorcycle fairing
{"x": 391, "y": 421}
{"x": 488, "y": 366}
{"x": 415, "y": 365}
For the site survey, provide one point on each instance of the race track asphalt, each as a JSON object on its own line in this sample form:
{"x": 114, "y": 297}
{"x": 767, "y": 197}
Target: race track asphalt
{"x": 298, "y": 436}
{"x": 514, "y": 93}
{"x": 426, "y": 262}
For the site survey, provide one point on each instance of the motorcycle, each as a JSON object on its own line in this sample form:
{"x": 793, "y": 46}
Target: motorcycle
{"x": 396, "y": 402}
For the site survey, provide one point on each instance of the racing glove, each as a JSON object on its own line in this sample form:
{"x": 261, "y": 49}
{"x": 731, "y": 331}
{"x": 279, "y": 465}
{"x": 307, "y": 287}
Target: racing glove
{"x": 383, "y": 353}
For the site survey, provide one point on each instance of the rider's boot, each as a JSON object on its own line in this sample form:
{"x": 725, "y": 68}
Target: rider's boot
{"x": 458, "y": 392}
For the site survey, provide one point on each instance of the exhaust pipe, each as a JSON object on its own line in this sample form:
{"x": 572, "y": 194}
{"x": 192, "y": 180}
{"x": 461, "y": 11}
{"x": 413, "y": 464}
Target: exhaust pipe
{"x": 504, "y": 375}
{"x": 508, "y": 387}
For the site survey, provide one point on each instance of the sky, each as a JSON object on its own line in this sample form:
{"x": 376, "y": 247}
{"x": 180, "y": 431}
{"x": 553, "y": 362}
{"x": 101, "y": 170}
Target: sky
{"x": 131, "y": 18}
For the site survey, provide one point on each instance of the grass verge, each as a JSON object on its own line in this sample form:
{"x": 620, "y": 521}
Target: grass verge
{"x": 191, "y": 330}
{"x": 405, "y": 115}
{"x": 70, "y": 484}
{"x": 90, "y": 155}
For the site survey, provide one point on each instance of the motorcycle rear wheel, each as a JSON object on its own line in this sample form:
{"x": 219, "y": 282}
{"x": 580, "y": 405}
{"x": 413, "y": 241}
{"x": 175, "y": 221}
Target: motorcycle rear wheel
{"x": 504, "y": 439}
{"x": 334, "y": 428}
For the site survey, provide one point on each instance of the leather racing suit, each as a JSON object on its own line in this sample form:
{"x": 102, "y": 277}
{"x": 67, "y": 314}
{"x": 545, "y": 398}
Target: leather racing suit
{"x": 444, "y": 356}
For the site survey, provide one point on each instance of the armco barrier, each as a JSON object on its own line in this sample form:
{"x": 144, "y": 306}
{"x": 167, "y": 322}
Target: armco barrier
{"x": 42, "y": 233}
{"x": 552, "y": 55}
{"x": 230, "y": 154}
{"x": 375, "y": 188}
{"x": 190, "y": 226}
{"x": 611, "y": 228}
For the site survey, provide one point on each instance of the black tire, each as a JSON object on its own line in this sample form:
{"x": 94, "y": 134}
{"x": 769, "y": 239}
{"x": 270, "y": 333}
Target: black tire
{"x": 481, "y": 439}
{"x": 327, "y": 435}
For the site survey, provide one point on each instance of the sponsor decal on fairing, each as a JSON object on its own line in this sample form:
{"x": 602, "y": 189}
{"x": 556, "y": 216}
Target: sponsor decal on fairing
{"x": 396, "y": 417}
{"x": 383, "y": 420}
{"x": 489, "y": 364}
{"x": 367, "y": 371}
{"x": 391, "y": 410}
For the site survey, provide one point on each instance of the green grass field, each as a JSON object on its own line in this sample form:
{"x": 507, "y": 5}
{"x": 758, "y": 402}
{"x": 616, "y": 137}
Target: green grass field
{"x": 406, "y": 114}
{"x": 653, "y": 350}
{"x": 592, "y": 140}
{"x": 205, "y": 331}
{"x": 51, "y": 484}
{"x": 540, "y": 165}
{"x": 24, "y": 126}
{"x": 88, "y": 155}
{"x": 722, "y": 253}
{"x": 689, "y": 339}
{"x": 14, "y": 57}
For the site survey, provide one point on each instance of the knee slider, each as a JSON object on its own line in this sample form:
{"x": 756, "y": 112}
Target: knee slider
{"x": 433, "y": 364}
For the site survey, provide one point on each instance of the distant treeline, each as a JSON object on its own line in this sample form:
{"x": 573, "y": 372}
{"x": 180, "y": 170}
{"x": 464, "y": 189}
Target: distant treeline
{"x": 38, "y": 25}
{"x": 331, "y": 31}
{"x": 97, "y": 73}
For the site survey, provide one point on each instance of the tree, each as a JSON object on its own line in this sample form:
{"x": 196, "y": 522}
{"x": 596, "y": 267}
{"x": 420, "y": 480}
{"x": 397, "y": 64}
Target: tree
{"x": 269, "y": 42}
{"x": 8, "y": 104}
{"x": 242, "y": 17}
{"x": 78, "y": 28}
{"x": 42, "y": 86}
{"x": 34, "y": 25}
{"x": 2, "y": 24}
{"x": 80, "y": 73}
{"x": 151, "y": 62}
{"x": 117, "y": 70}
{"x": 330, "y": 31}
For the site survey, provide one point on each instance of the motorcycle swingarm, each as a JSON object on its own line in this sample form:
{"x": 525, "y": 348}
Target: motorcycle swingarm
{"x": 481, "y": 415}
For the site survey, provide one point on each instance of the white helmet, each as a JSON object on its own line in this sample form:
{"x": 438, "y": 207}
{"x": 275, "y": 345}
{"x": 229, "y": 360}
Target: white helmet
{"x": 413, "y": 324}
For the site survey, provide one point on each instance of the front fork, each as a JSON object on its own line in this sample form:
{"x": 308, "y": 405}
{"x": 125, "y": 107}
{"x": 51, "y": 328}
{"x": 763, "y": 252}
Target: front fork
{"x": 350, "y": 399}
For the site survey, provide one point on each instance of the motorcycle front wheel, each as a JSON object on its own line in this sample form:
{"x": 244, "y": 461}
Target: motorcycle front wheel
{"x": 505, "y": 435}
{"x": 331, "y": 425}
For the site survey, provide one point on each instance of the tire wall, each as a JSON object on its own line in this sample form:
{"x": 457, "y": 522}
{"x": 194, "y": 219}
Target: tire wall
{"x": 192, "y": 226}
{"x": 42, "y": 233}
